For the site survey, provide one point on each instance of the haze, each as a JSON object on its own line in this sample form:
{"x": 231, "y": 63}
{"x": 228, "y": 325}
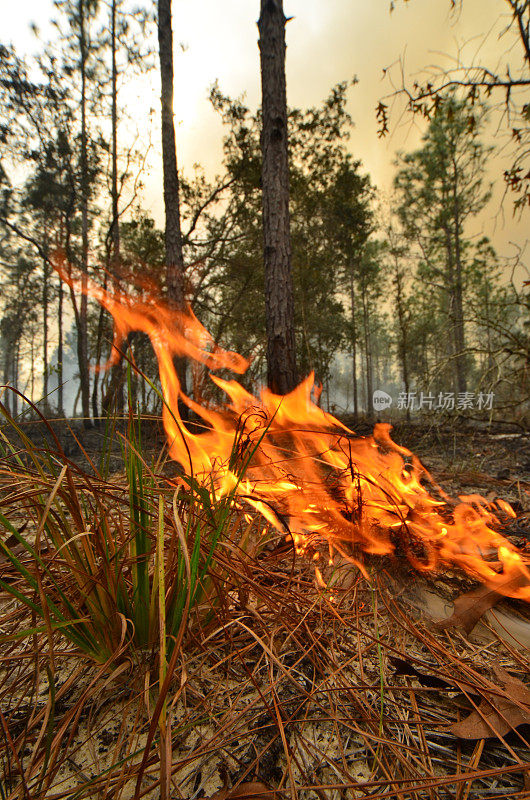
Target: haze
{"x": 327, "y": 42}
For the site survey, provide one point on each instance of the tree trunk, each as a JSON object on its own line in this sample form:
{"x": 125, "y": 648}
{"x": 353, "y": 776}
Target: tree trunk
{"x": 16, "y": 362}
{"x": 82, "y": 338}
{"x": 279, "y": 305}
{"x": 115, "y": 230}
{"x": 45, "y": 287}
{"x": 402, "y": 322}
{"x": 60, "y": 388}
{"x": 460, "y": 344}
{"x": 451, "y": 343}
{"x": 173, "y": 234}
{"x": 97, "y": 361}
{"x": 6, "y": 399}
{"x": 354, "y": 347}
{"x": 487, "y": 309}
{"x": 114, "y": 397}
{"x": 367, "y": 355}
{"x": 32, "y": 371}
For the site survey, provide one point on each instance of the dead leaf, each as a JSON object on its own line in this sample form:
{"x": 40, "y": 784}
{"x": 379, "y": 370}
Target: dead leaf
{"x": 516, "y": 688}
{"x": 497, "y": 714}
{"x": 470, "y": 607}
{"x": 253, "y": 790}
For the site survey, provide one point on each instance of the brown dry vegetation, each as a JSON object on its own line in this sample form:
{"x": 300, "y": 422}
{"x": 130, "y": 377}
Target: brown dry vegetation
{"x": 284, "y": 686}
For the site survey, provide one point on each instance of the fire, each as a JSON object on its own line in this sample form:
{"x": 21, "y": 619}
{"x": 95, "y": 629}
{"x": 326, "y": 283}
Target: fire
{"x": 307, "y": 468}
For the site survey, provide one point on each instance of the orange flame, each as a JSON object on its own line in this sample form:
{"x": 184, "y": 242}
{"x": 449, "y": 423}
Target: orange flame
{"x": 305, "y": 466}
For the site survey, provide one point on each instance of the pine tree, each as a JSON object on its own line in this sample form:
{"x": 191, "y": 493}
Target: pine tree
{"x": 173, "y": 233}
{"x": 440, "y": 188}
{"x": 282, "y": 373}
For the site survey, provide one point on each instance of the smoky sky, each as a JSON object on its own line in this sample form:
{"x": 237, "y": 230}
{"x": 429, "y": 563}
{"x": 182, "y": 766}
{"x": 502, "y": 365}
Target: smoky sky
{"x": 327, "y": 41}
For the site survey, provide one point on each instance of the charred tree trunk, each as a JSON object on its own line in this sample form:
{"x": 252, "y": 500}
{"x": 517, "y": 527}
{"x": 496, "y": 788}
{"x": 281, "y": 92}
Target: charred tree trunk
{"x": 173, "y": 234}
{"x": 279, "y": 305}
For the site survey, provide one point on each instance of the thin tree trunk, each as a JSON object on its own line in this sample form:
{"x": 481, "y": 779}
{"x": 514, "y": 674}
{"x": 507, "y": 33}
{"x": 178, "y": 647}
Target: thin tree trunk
{"x": 279, "y": 304}
{"x": 115, "y": 231}
{"x": 6, "y": 399}
{"x": 487, "y": 308}
{"x": 114, "y": 396}
{"x": 16, "y": 360}
{"x": 97, "y": 360}
{"x": 45, "y": 287}
{"x": 32, "y": 371}
{"x": 458, "y": 291}
{"x": 82, "y": 338}
{"x": 451, "y": 344}
{"x": 403, "y": 338}
{"x": 354, "y": 346}
{"x": 76, "y": 401}
{"x": 60, "y": 388}
{"x": 173, "y": 234}
{"x": 368, "y": 357}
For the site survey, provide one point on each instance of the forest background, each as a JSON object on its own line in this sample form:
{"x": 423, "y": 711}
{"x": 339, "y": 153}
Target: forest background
{"x": 409, "y": 246}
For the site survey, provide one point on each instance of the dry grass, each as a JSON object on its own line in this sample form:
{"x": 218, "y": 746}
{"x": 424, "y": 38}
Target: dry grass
{"x": 278, "y": 678}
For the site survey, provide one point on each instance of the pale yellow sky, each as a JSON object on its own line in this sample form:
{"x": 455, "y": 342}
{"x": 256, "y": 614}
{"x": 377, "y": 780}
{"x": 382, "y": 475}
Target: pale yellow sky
{"x": 328, "y": 41}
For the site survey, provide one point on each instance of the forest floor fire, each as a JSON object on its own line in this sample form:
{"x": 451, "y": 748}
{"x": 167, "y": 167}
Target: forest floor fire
{"x": 253, "y": 616}
{"x": 290, "y": 460}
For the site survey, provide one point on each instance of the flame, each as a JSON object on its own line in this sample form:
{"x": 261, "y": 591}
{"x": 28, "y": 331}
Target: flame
{"x": 307, "y": 468}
